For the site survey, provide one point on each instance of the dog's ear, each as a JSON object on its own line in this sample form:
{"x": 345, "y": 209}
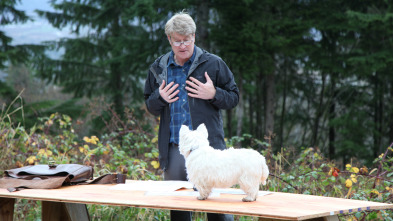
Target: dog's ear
{"x": 202, "y": 129}
{"x": 183, "y": 130}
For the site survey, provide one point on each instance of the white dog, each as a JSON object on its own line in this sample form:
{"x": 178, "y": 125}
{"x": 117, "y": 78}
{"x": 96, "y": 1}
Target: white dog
{"x": 209, "y": 168}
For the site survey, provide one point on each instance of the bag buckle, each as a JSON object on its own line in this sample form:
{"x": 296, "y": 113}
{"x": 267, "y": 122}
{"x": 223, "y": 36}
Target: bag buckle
{"x": 52, "y": 164}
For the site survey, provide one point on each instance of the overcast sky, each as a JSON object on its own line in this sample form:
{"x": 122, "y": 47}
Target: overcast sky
{"x": 37, "y": 31}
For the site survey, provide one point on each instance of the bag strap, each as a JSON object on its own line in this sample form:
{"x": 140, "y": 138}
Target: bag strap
{"x": 109, "y": 179}
{"x": 13, "y": 184}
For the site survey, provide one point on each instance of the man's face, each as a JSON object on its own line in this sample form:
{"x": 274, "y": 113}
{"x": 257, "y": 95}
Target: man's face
{"x": 182, "y": 46}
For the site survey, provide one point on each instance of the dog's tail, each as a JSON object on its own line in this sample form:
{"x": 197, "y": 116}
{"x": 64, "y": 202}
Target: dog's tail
{"x": 265, "y": 172}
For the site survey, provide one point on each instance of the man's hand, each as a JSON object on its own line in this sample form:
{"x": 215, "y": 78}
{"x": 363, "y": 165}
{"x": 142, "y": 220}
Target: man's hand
{"x": 204, "y": 91}
{"x": 167, "y": 92}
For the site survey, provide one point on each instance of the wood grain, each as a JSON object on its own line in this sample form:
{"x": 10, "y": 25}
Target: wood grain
{"x": 284, "y": 206}
{"x": 7, "y": 209}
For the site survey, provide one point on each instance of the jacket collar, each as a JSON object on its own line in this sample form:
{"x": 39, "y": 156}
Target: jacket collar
{"x": 163, "y": 62}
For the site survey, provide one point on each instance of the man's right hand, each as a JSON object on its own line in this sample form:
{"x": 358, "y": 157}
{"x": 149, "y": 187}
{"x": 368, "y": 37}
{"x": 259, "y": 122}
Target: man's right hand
{"x": 168, "y": 92}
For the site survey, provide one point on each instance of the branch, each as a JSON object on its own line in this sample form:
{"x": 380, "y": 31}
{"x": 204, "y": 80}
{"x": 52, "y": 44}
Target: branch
{"x": 283, "y": 181}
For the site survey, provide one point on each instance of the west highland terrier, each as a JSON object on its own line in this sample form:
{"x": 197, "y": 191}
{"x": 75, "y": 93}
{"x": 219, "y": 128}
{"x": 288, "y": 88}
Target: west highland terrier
{"x": 209, "y": 168}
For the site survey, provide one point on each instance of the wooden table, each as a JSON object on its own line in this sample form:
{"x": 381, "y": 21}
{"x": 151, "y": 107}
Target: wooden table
{"x": 69, "y": 203}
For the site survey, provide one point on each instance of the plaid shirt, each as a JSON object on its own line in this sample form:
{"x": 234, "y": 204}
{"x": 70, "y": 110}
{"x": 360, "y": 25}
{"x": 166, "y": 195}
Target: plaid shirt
{"x": 180, "y": 112}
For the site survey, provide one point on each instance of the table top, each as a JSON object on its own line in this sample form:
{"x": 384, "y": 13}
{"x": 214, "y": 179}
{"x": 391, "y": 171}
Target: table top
{"x": 274, "y": 205}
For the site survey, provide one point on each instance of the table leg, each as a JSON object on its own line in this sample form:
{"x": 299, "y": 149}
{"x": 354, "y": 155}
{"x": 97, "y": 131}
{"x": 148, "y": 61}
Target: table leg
{"x": 77, "y": 212}
{"x": 7, "y": 209}
{"x": 328, "y": 218}
{"x": 57, "y": 211}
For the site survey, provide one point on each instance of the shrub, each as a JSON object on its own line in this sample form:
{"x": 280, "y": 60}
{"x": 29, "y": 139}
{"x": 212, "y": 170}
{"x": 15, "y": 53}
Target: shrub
{"x": 133, "y": 151}
{"x": 130, "y": 152}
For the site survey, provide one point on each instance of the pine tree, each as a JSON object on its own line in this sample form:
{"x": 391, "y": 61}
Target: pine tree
{"x": 10, "y": 15}
{"x": 11, "y": 53}
{"x": 114, "y": 44}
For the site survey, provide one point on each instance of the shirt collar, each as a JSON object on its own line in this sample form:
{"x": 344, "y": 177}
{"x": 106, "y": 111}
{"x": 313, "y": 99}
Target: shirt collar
{"x": 171, "y": 60}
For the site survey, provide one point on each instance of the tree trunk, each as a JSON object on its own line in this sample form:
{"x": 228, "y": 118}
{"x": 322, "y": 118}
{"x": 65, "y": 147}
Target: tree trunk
{"x": 116, "y": 77}
{"x": 240, "y": 107}
{"x": 229, "y": 123}
{"x": 202, "y": 21}
{"x": 251, "y": 123}
{"x": 332, "y": 115}
{"x": 269, "y": 105}
{"x": 259, "y": 107}
{"x": 318, "y": 116}
{"x": 378, "y": 109}
{"x": 283, "y": 105}
{"x": 390, "y": 124}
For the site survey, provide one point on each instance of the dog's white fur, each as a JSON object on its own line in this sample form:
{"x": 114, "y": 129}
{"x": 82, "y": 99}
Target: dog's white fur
{"x": 209, "y": 168}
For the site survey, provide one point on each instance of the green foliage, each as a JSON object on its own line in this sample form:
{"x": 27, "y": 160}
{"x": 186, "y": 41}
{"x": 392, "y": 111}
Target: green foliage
{"x": 331, "y": 61}
{"x": 126, "y": 213}
{"x": 134, "y": 153}
{"x": 10, "y": 15}
{"x": 246, "y": 140}
{"x": 113, "y": 46}
{"x": 11, "y": 53}
{"x": 7, "y": 92}
{"x": 54, "y": 139}
{"x": 310, "y": 173}
{"x": 35, "y": 97}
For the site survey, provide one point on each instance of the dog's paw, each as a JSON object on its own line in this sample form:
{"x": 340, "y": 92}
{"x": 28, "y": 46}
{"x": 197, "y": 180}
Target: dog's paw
{"x": 201, "y": 198}
{"x": 248, "y": 199}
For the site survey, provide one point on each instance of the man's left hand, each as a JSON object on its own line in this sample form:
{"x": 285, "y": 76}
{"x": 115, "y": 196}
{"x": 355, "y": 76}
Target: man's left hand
{"x": 204, "y": 91}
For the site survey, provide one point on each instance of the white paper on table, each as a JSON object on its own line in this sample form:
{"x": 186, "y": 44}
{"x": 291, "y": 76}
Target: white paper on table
{"x": 237, "y": 191}
{"x": 155, "y": 186}
{"x": 216, "y": 192}
{"x": 178, "y": 193}
{"x": 168, "y": 188}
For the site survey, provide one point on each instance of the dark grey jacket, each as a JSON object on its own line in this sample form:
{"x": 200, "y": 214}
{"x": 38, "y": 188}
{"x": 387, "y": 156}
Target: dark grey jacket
{"x": 202, "y": 111}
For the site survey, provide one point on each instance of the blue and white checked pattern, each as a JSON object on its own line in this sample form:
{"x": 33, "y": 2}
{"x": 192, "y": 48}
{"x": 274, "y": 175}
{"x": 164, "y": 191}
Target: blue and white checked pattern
{"x": 180, "y": 112}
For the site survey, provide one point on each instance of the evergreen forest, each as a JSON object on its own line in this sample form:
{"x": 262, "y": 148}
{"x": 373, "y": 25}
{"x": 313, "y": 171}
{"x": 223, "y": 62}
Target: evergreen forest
{"x": 315, "y": 80}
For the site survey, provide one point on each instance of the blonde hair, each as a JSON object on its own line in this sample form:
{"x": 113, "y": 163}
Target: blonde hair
{"x": 180, "y": 23}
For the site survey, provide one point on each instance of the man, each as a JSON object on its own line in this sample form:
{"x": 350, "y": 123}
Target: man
{"x": 187, "y": 86}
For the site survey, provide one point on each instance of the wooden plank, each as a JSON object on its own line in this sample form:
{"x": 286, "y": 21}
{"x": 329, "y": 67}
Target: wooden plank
{"x": 77, "y": 212}
{"x": 59, "y": 211}
{"x": 54, "y": 211}
{"x": 329, "y": 218}
{"x": 7, "y": 209}
{"x": 281, "y": 206}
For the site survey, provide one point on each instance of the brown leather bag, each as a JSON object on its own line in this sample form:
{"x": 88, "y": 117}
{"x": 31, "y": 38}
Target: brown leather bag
{"x": 54, "y": 176}
{"x": 74, "y": 172}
